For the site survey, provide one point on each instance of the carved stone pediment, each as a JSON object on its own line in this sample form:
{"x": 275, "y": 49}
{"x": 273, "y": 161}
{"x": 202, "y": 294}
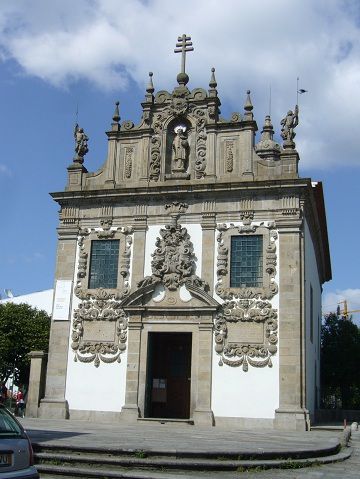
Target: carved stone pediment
{"x": 173, "y": 261}
{"x": 146, "y": 296}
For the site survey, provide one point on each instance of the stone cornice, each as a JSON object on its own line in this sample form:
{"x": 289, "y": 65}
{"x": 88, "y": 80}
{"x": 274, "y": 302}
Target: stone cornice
{"x": 174, "y": 190}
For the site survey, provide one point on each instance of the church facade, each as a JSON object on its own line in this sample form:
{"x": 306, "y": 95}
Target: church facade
{"x": 189, "y": 271}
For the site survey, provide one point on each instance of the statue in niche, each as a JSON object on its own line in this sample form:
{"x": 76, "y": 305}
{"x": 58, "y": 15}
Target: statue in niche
{"x": 180, "y": 150}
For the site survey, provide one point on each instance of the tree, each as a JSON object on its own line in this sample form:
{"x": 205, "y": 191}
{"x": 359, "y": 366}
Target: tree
{"x": 340, "y": 359}
{"x": 22, "y": 329}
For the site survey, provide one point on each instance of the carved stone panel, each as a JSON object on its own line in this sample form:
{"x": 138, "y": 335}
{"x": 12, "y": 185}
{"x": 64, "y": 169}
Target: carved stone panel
{"x": 99, "y": 331}
{"x": 246, "y": 333}
{"x": 128, "y": 162}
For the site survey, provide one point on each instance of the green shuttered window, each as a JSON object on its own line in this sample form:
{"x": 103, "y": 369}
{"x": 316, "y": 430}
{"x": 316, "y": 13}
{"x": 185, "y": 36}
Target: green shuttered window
{"x": 246, "y": 266}
{"x": 104, "y": 261}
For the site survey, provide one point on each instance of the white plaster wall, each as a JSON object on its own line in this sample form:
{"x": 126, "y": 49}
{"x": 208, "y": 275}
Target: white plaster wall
{"x": 91, "y": 388}
{"x": 312, "y": 355}
{"x": 40, "y": 300}
{"x": 251, "y": 394}
{"x": 195, "y": 233}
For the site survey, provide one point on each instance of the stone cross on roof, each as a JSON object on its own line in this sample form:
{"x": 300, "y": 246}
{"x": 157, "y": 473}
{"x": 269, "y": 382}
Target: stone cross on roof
{"x": 184, "y": 45}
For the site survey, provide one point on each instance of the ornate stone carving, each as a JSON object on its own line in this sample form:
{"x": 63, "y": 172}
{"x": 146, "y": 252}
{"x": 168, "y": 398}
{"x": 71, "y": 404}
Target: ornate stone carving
{"x": 173, "y": 261}
{"x": 179, "y": 100}
{"x": 176, "y": 208}
{"x": 200, "y": 162}
{"x": 99, "y": 331}
{"x": 127, "y": 125}
{"x": 106, "y": 232}
{"x": 246, "y": 333}
{"x": 128, "y": 161}
{"x": 229, "y": 160}
{"x": 154, "y": 169}
{"x": 270, "y": 287}
{"x": 247, "y": 217}
{"x": 235, "y": 117}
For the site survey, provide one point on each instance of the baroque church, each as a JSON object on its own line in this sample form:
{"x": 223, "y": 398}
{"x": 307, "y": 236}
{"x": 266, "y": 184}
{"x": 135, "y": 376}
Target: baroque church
{"x": 189, "y": 271}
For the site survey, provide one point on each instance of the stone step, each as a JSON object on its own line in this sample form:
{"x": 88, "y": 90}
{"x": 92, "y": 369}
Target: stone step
{"x": 300, "y": 452}
{"x": 72, "y": 466}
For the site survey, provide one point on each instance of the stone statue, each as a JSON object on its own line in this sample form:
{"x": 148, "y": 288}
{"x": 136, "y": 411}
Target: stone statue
{"x": 180, "y": 151}
{"x": 289, "y": 123}
{"x": 81, "y": 146}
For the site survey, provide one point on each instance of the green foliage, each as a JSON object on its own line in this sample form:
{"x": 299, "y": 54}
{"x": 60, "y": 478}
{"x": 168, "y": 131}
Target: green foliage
{"x": 22, "y": 329}
{"x": 340, "y": 359}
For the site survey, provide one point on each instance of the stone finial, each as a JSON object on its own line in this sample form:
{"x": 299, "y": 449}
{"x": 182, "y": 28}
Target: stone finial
{"x": 150, "y": 88}
{"x": 116, "y": 116}
{"x": 81, "y": 145}
{"x": 213, "y": 83}
{"x": 248, "y": 107}
{"x": 268, "y": 129}
{"x": 289, "y": 123}
{"x": 267, "y": 147}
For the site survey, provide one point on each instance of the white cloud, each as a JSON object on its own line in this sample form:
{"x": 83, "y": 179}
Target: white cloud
{"x": 4, "y": 170}
{"x": 251, "y": 44}
{"x": 332, "y": 299}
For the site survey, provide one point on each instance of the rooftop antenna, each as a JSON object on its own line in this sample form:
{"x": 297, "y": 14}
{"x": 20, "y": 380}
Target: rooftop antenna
{"x": 270, "y": 100}
{"x": 184, "y": 45}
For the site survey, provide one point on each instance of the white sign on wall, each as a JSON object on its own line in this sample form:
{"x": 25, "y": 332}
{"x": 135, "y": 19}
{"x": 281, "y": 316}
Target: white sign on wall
{"x": 62, "y": 300}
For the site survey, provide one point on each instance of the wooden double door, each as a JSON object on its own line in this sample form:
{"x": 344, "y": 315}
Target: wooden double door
{"x": 168, "y": 377}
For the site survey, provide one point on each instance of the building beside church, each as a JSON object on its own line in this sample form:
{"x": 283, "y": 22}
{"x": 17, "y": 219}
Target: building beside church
{"x": 189, "y": 271}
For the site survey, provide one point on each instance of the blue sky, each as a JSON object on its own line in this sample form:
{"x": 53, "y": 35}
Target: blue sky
{"x": 57, "y": 55}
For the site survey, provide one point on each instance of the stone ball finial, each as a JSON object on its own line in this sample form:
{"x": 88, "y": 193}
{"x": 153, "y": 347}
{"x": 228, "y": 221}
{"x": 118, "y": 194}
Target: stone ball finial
{"x": 150, "y": 88}
{"x": 213, "y": 83}
{"x": 248, "y": 105}
{"x": 182, "y": 78}
{"x": 116, "y": 116}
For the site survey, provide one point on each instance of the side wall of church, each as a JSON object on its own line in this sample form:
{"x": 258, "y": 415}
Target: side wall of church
{"x": 313, "y": 323}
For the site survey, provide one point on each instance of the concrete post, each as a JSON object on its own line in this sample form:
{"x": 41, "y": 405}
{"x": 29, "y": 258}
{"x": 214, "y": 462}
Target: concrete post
{"x": 36, "y": 382}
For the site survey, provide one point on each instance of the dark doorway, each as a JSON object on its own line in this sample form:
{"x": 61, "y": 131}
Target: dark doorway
{"x": 168, "y": 375}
